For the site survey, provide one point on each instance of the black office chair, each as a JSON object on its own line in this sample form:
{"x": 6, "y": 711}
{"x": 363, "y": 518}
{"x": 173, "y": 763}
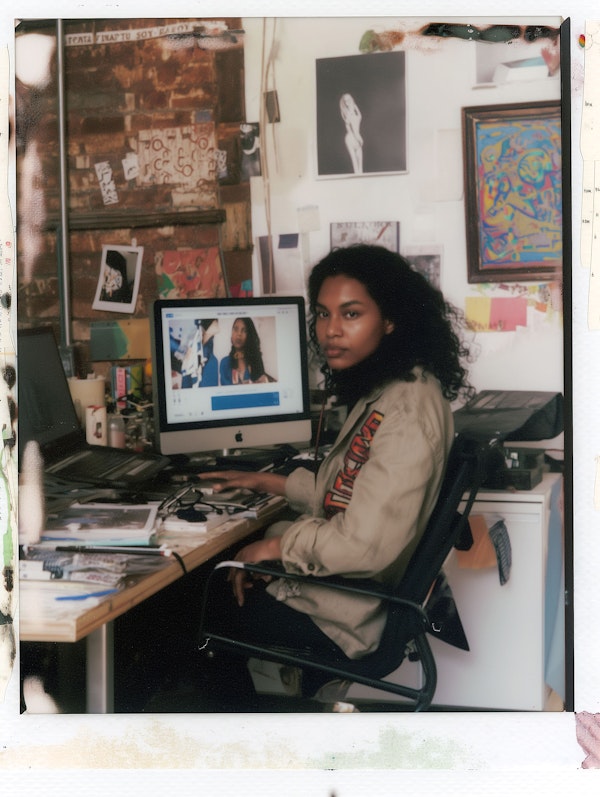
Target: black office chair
{"x": 408, "y": 621}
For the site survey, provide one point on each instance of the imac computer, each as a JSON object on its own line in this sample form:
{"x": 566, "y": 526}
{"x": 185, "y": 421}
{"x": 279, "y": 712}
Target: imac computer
{"x": 229, "y": 374}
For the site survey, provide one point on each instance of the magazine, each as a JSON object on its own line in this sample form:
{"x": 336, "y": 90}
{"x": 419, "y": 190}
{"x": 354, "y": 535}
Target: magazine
{"x": 41, "y": 563}
{"x": 102, "y": 524}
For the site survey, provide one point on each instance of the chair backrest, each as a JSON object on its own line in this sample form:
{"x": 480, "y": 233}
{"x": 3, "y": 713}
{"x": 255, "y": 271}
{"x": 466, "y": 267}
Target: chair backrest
{"x": 465, "y": 471}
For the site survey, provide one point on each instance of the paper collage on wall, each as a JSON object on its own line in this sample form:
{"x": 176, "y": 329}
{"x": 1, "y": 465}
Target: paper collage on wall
{"x": 507, "y": 306}
{"x": 177, "y": 155}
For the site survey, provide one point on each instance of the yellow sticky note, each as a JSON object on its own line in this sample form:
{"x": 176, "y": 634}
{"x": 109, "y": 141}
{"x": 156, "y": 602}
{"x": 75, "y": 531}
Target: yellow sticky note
{"x": 477, "y": 312}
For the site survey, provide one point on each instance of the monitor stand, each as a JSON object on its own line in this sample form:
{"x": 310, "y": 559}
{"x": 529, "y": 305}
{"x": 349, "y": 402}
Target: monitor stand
{"x": 254, "y": 458}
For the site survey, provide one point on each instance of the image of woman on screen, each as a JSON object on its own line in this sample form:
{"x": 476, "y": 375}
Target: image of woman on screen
{"x": 244, "y": 363}
{"x": 391, "y": 352}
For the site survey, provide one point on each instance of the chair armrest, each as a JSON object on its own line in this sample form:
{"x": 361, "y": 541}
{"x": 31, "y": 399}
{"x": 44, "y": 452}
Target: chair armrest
{"x": 358, "y": 586}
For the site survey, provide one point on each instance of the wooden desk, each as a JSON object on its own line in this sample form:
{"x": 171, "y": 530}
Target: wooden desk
{"x": 43, "y": 619}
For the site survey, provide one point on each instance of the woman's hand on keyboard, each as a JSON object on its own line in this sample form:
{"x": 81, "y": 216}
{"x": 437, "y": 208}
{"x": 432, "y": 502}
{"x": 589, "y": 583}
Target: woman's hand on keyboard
{"x": 257, "y": 481}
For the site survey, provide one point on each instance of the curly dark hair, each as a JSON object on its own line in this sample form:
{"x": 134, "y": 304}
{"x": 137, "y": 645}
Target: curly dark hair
{"x": 252, "y": 351}
{"x": 426, "y": 326}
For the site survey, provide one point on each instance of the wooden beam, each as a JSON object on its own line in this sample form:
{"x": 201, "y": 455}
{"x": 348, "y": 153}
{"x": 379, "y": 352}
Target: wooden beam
{"x": 122, "y": 220}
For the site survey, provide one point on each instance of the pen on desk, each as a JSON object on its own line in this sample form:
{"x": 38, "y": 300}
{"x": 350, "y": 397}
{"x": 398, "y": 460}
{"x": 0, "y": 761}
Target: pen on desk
{"x": 82, "y": 597}
{"x": 139, "y": 550}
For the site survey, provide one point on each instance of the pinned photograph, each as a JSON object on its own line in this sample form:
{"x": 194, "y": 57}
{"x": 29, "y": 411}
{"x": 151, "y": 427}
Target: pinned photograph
{"x": 380, "y": 233}
{"x": 250, "y": 142}
{"x": 427, "y": 260}
{"x": 119, "y": 279}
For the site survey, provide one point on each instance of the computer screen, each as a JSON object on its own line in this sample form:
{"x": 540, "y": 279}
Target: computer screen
{"x": 46, "y": 411}
{"x": 229, "y": 373}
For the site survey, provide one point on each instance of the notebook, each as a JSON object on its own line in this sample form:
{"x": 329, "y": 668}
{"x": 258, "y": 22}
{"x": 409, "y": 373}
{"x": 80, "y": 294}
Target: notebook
{"x": 47, "y": 414}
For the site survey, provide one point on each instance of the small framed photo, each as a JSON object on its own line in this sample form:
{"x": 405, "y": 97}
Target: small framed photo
{"x": 119, "y": 279}
{"x": 382, "y": 233}
{"x": 427, "y": 260}
{"x": 513, "y": 192}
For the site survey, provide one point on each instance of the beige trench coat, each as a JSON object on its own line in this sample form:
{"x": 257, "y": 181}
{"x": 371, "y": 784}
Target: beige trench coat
{"x": 365, "y": 511}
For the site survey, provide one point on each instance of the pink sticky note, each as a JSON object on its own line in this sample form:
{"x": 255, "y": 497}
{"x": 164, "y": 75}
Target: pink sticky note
{"x": 508, "y": 314}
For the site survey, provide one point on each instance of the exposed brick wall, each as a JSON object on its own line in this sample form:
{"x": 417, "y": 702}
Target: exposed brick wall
{"x": 115, "y": 93}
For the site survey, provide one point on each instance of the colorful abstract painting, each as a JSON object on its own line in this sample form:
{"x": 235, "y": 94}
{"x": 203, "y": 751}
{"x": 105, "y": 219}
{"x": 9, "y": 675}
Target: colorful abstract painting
{"x": 513, "y": 191}
{"x": 191, "y": 274}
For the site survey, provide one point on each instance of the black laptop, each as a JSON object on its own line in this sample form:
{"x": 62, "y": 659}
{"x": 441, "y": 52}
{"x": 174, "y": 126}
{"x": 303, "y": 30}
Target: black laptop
{"x": 47, "y": 414}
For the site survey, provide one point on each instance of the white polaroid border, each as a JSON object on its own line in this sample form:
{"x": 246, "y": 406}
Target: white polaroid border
{"x": 119, "y": 278}
{"x": 332, "y": 753}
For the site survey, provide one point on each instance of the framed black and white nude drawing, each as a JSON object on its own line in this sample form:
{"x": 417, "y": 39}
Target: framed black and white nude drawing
{"x": 361, "y": 114}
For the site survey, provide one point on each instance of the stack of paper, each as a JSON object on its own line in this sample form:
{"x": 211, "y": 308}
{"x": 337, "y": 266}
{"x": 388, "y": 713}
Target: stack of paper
{"x": 173, "y": 526}
{"x": 43, "y": 563}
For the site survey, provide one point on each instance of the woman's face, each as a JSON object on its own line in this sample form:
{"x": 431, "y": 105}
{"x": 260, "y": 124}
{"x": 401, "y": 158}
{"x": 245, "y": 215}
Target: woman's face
{"x": 349, "y": 323}
{"x": 238, "y": 334}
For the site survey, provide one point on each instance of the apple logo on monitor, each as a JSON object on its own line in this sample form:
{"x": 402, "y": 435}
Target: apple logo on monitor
{"x": 239, "y": 437}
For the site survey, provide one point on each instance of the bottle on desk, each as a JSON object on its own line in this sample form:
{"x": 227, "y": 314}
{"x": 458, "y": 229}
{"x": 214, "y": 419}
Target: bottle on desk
{"x": 95, "y": 425}
{"x": 116, "y": 431}
{"x": 32, "y": 510}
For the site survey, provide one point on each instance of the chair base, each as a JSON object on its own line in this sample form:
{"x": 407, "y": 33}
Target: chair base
{"x": 420, "y": 698}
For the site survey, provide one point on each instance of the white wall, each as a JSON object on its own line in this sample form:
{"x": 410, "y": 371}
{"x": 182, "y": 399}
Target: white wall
{"x": 428, "y": 200}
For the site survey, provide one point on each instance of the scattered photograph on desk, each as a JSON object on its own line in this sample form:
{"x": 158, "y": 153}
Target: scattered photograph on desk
{"x": 119, "y": 280}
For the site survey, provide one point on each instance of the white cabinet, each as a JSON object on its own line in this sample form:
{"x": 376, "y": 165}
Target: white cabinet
{"x": 512, "y": 629}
